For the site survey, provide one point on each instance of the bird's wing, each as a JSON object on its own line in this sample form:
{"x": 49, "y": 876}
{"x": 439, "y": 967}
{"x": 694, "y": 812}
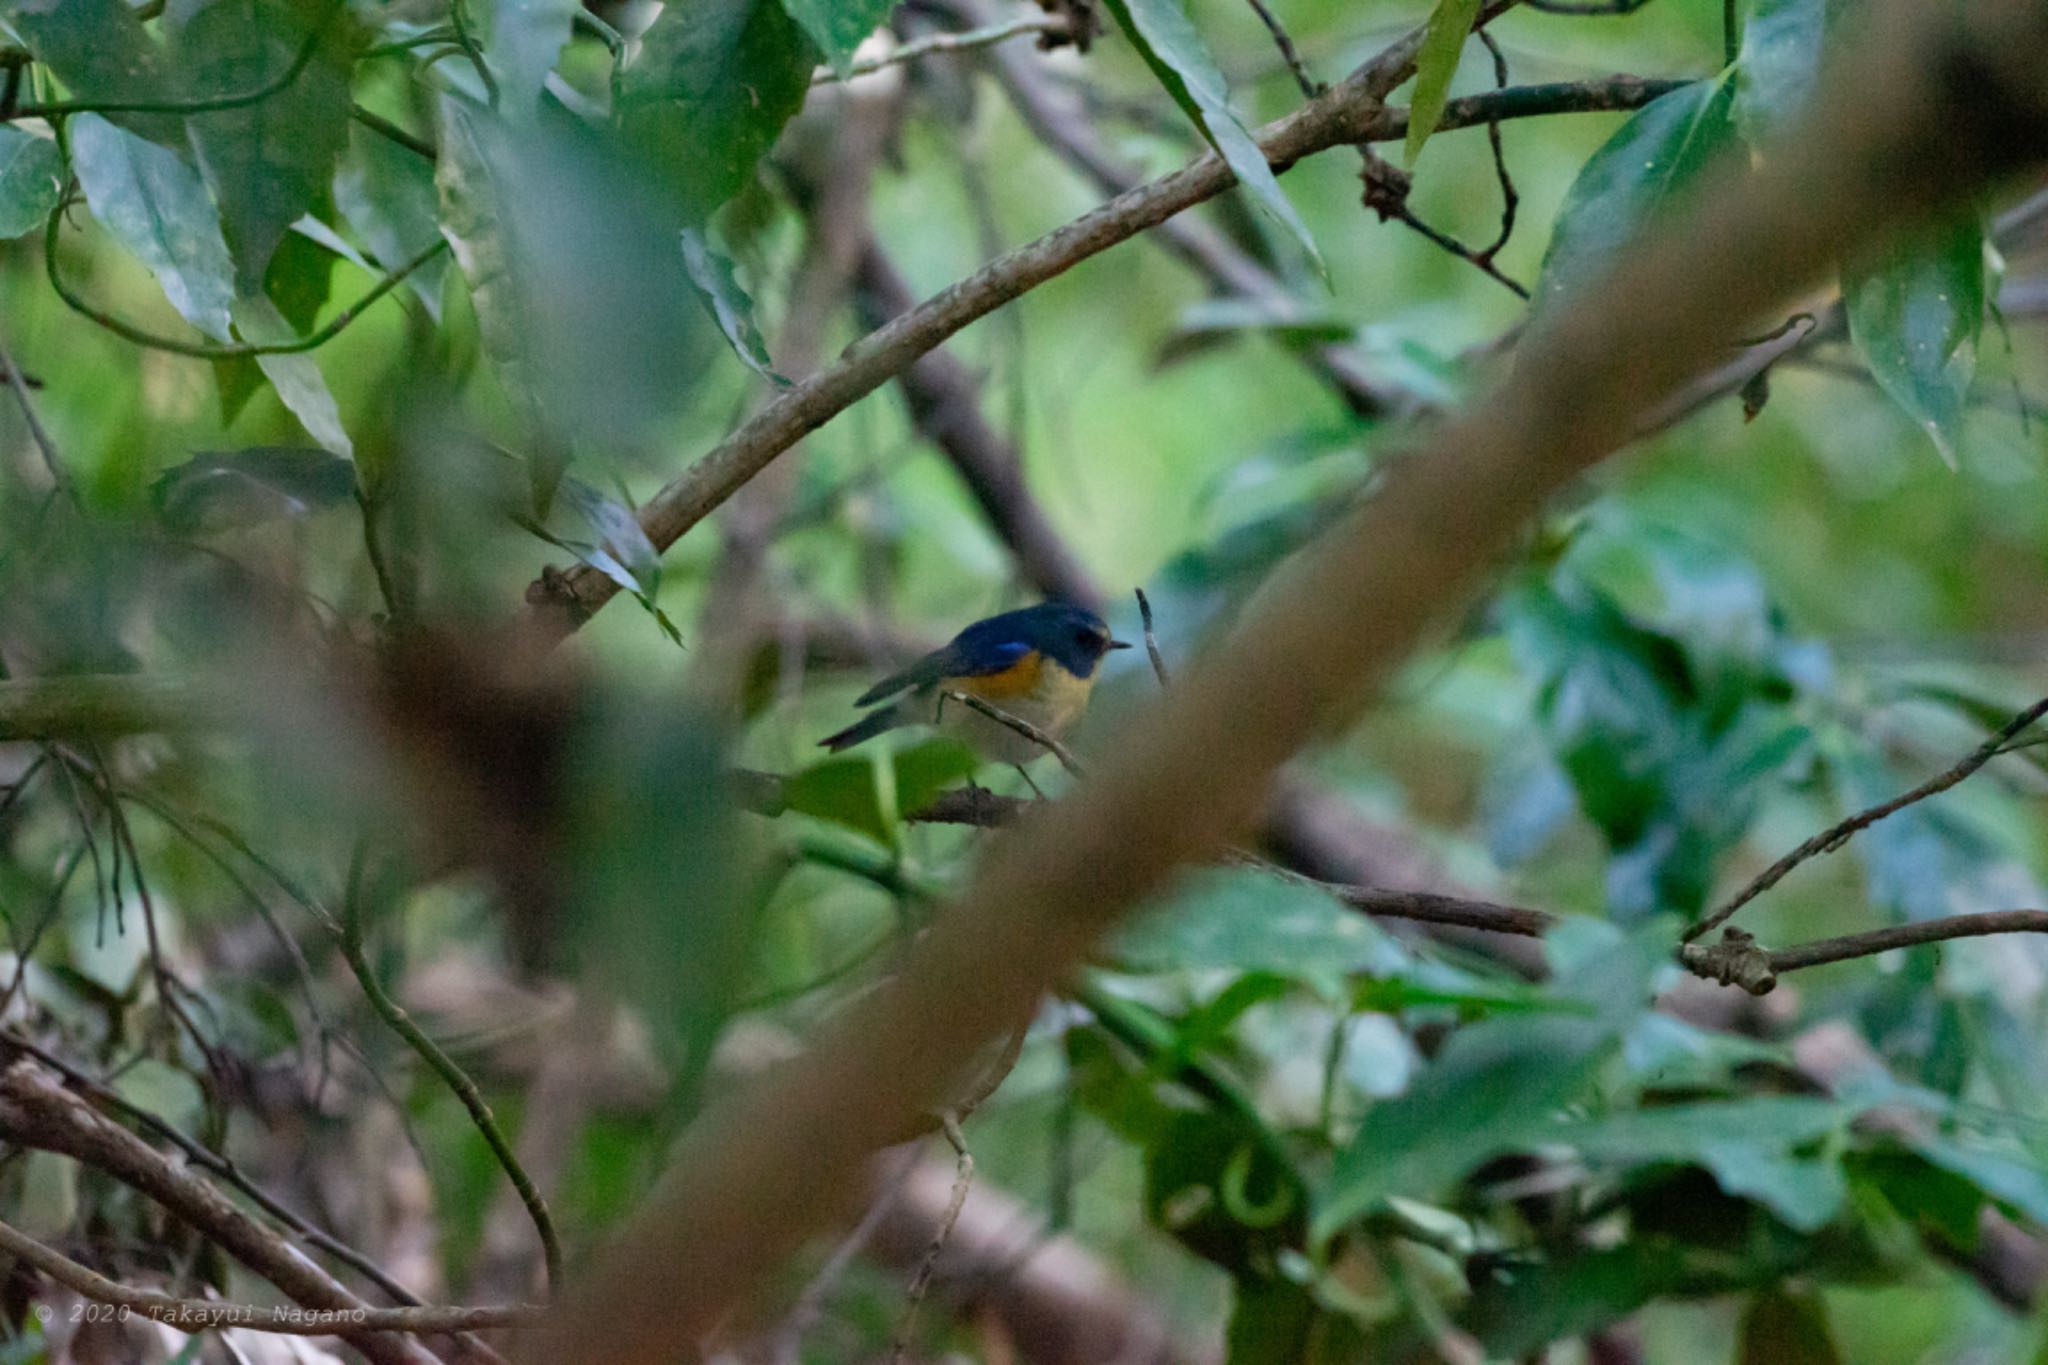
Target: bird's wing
{"x": 968, "y": 656}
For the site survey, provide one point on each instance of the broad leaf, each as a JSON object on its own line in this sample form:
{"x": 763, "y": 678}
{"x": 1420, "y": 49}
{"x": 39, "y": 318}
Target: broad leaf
{"x": 268, "y": 161}
{"x": 1241, "y": 919}
{"x": 1443, "y": 41}
{"x": 100, "y": 50}
{"x": 620, "y": 550}
{"x": 156, "y": 207}
{"x": 296, "y": 375}
{"x": 1781, "y": 50}
{"x": 219, "y": 489}
{"x": 839, "y": 27}
{"x": 729, "y": 305}
{"x": 1173, "y": 48}
{"x": 387, "y": 194}
{"x": 849, "y": 789}
{"x": 521, "y": 41}
{"x": 714, "y": 83}
{"x": 1635, "y": 175}
{"x": 300, "y": 277}
{"x": 1916, "y": 314}
{"x": 1748, "y": 1145}
{"x": 31, "y": 178}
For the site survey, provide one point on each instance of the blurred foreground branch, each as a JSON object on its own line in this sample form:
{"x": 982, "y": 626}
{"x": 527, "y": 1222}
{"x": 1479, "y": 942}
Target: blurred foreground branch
{"x": 1932, "y": 108}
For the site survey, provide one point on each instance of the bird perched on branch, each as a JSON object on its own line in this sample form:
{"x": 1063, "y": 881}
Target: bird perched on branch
{"x": 1035, "y": 666}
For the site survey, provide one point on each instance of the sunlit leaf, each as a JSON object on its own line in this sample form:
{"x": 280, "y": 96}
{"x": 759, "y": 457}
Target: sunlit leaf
{"x": 157, "y": 207}
{"x": 620, "y": 550}
{"x": 728, "y": 304}
{"x": 839, "y": 27}
{"x": 1916, "y": 314}
{"x": 266, "y": 161}
{"x": 1443, "y": 41}
{"x": 1636, "y": 174}
{"x": 713, "y": 84}
{"x": 1178, "y": 56}
{"x": 1781, "y": 51}
{"x": 219, "y": 489}
{"x": 1248, "y": 920}
{"x": 31, "y": 174}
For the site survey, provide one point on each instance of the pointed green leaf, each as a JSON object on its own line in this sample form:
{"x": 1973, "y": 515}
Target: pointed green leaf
{"x": 31, "y": 178}
{"x": 387, "y": 195}
{"x": 268, "y": 161}
{"x": 621, "y": 550}
{"x": 156, "y": 207}
{"x": 1173, "y": 48}
{"x": 522, "y": 40}
{"x": 1443, "y": 41}
{"x": 1781, "y": 48}
{"x": 470, "y": 179}
{"x": 295, "y": 376}
{"x": 1916, "y": 314}
{"x": 728, "y": 304}
{"x": 844, "y": 789}
{"x": 839, "y": 27}
{"x": 100, "y": 49}
{"x": 708, "y": 95}
{"x": 1635, "y": 175}
{"x": 219, "y": 489}
{"x": 1787, "y": 1326}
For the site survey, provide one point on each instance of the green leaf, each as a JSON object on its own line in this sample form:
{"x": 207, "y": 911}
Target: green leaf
{"x": 1748, "y": 1146}
{"x": 220, "y": 489}
{"x": 1492, "y": 1090}
{"x": 300, "y": 277}
{"x": 268, "y": 161}
{"x": 839, "y": 27}
{"x": 522, "y": 40}
{"x": 387, "y": 195}
{"x": 728, "y": 304}
{"x": 156, "y": 206}
{"x": 1174, "y": 49}
{"x": 1515, "y": 1312}
{"x": 1916, "y": 313}
{"x": 1635, "y": 175}
{"x": 296, "y": 376}
{"x": 31, "y": 178}
{"x": 1786, "y": 1326}
{"x": 2012, "y": 1181}
{"x": 1443, "y": 41}
{"x": 1241, "y": 919}
{"x": 708, "y": 95}
{"x": 621, "y": 552}
{"x": 1781, "y": 50}
{"x": 845, "y": 789}
{"x": 100, "y": 49}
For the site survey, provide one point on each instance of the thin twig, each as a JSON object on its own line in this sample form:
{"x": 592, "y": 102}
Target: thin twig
{"x": 944, "y": 42}
{"x": 451, "y": 1074}
{"x": 209, "y": 104}
{"x": 193, "y": 1315}
{"x": 920, "y": 1281}
{"x": 1017, "y": 723}
{"x": 128, "y": 331}
{"x": 1152, "y": 640}
{"x": 37, "y": 432}
{"x": 1310, "y": 87}
{"x": 1832, "y": 838}
{"x": 1874, "y": 941}
{"x": 1510, "y": 201}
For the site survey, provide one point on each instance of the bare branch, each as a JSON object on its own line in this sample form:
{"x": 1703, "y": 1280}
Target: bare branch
{"x": 1832, "y": 838}
{"x": 937, "y": 43}
{"x": 1019, "y": 724}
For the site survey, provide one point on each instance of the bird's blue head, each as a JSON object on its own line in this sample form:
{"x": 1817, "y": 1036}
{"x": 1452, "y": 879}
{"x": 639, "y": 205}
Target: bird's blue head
{"x": 1071, "y": 636}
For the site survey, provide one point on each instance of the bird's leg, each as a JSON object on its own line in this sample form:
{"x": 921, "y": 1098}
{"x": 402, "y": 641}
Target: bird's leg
{"x": 1027, "y": 781}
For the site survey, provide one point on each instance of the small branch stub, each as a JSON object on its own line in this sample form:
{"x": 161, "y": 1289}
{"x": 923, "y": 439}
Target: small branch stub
{"x": 1737, "y": 960}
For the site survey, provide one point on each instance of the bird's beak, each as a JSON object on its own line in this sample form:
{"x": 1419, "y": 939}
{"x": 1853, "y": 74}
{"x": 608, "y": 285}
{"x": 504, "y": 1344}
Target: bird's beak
{"x": 1119, "y": 644}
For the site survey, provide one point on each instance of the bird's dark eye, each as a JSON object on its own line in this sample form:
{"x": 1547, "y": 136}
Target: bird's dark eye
{"x": 1087, "y": 639}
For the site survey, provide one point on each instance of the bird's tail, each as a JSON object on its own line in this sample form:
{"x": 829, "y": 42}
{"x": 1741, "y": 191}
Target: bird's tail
{"x": 867, "y": 727}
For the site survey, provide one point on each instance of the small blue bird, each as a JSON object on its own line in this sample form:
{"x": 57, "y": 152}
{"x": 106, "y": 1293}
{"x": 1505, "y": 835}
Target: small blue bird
{"x": 1036, "y": 664}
